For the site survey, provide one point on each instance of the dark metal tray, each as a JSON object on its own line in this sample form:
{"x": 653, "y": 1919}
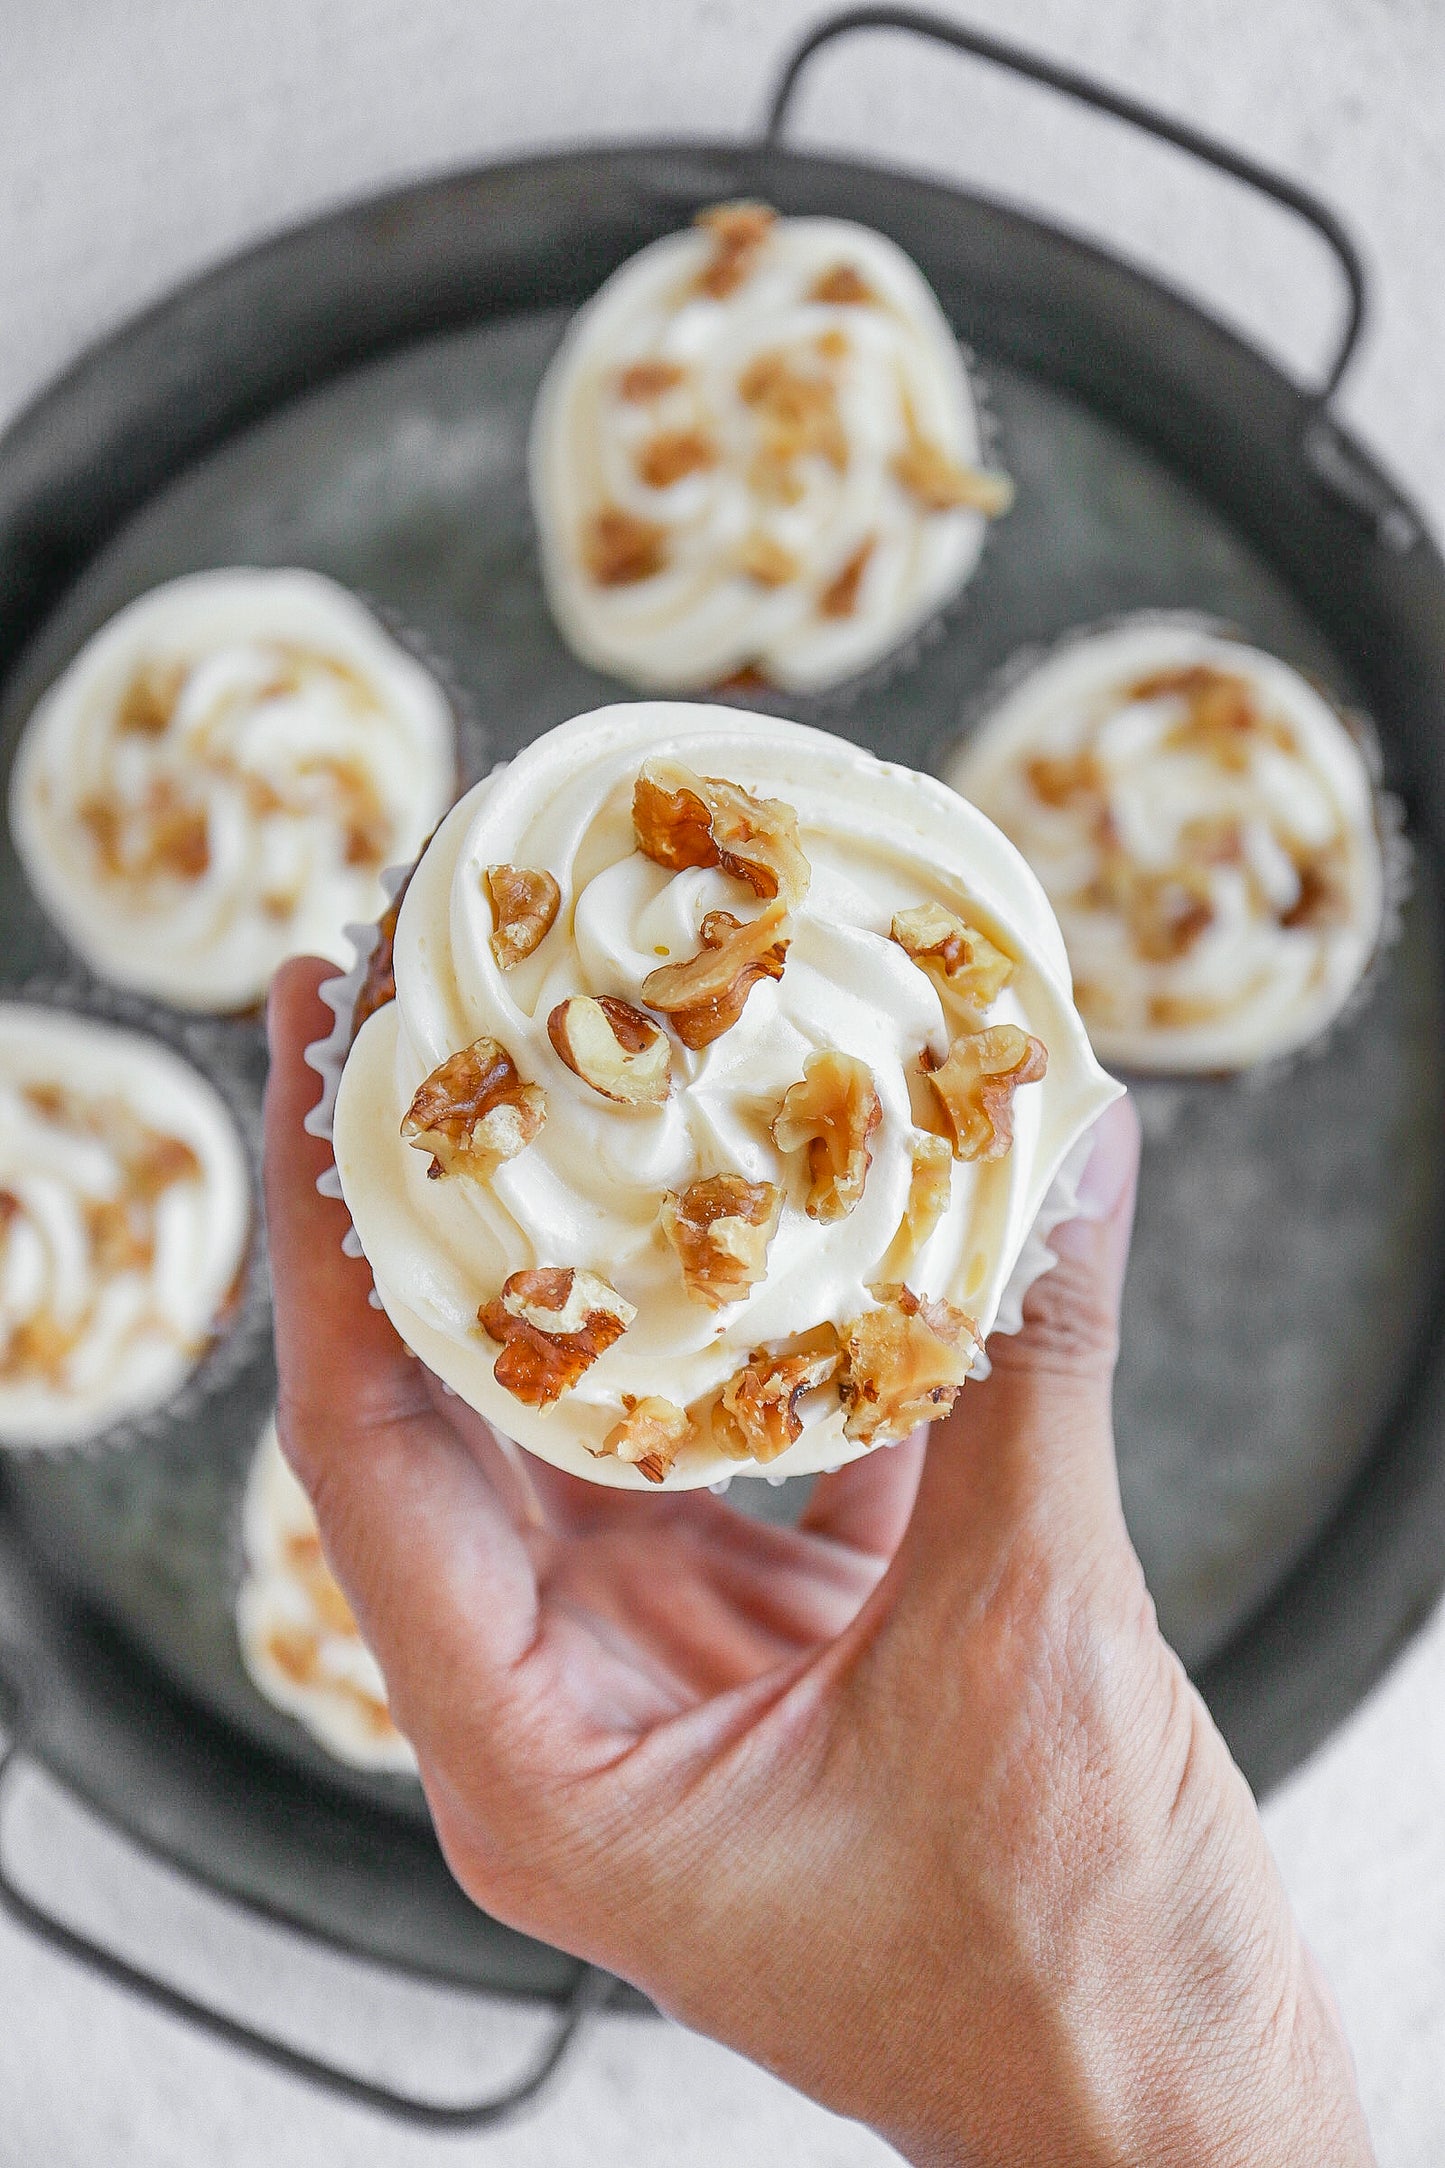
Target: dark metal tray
{"x": 355, "y": 396}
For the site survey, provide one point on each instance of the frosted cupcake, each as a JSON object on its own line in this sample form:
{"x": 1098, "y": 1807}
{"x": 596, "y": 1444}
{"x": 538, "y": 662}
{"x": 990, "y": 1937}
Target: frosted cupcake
{"x": 217, "y": 779}
{"x": 300, "y": 1642}
{"x": 124, "y": 1220}
{"x": 726, "y": 1073}
{"x": 757, "y": 455}
{"x": 1208, "y": 830}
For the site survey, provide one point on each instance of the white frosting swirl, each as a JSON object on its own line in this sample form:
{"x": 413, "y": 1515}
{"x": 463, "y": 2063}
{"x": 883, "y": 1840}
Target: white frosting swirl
{"x": 218, "y": 777}
{"x": 1211, "y": 845}
{"x": 890, "y": 374}
{"x": 302, "y": 1646}
{"x": 879, "y": 839}
{"x": 124, "y": 1216}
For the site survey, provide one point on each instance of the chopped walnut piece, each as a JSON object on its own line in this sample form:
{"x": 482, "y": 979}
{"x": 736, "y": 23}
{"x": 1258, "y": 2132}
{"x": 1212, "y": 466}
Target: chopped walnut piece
{"x": 149, "y": 701}
{"x": 643, "y": 381}
{"x": 474, "y": 1111}
{"x": 619, "y": 549}
{"x": 1165, "y": 912}
{"x": 553, "y": 1322}
{"x": 705, "y": 996}
{"x": 1222, "y": 718}
{"x": 840, "y": 597}
{"x": 833, "y": 1111}
{"x": 525, "y": 906}
{"x": 843, "y": 285}
{"x": 738, "y": 231}
{"x": 674, "y": 453}
{"x": 976, "y": 1084}
{"x": 756, "y": 1416}
{"x": 929, "y": 1190}
{"x": 613, "y": 1047}
{"x": 1324, "y": 896}
{"x": 797, "y": 410}
{"x": 942, "y": 484}
{"x": 720, "y": 1228}
{"x": 966, "y": 967}
{"x": 1061, "y": 779}
{"x": 649, "y": 1435}
{"x": 680, "y": 819}
{"x": 904, "y": 1363}
{"x": 766, "y": 562}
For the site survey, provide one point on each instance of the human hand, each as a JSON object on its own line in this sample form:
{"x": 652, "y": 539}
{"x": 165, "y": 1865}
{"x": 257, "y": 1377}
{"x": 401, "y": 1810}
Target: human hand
{"x": 911, "y": 1804}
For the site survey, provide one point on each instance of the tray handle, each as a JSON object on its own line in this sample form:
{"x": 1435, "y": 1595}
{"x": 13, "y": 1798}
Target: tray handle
{"x": 589, "y": 1991}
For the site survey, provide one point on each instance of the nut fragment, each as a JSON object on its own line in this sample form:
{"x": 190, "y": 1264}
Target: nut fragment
{"x": 965, "y": 966}
{"x": 833, "y": 1110}
{"x": 756, "y": 1417}
{"x": 766, "y": 562}
{"x": 903, "y": 1364}
{"x": 619, "y": 549}
{"x": 680, "y": 819}
{"x": 553, "y": 1322}
{"x": 474, "y": 1111}
{"x": 738, "y": 231}
{"x": 649, "y": 1435}
{"x": 673, "y": 454}
{"x": 720, "y": 1229}
{"x": 976, "y": 1084}
{"x": 844, "y": 285}
{"x": 705, "y": 996}
{"x": 941, "y": 483}
{"x": 643, "y": 381}
{"x": 524, "y": 904}
{"x": 1222, "y": 715}
{"x": 613, "y": 1047}
{"x": 840, "y": 597}
{"x": 798, "y": 416}
{"x": 929, "y": 1191}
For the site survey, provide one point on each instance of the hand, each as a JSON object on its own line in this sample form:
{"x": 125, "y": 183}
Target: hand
{"x": 911, "y": 1804}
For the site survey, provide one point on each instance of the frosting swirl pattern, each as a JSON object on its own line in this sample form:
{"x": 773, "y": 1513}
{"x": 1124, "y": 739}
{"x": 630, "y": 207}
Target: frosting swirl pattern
{"x": 217, "y": 779}
{"x": 1205, "y": 825}
{"x": 756, "y": 452}
{"x": 620, "y": 1198}
{"x": 124, "y": 1216}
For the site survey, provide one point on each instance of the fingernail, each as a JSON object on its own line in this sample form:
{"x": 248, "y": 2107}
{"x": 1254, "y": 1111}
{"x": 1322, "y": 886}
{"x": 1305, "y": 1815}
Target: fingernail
{"x": 1110, "y": 1164}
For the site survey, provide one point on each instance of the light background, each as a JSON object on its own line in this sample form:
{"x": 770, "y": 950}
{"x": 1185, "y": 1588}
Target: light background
{"x": 140, "y": 140}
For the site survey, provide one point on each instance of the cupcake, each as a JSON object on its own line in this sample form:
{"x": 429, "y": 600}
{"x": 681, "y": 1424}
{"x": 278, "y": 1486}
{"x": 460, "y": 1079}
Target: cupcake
{"x": 301, "y": 1645}
{"x": 217, "y": 779}
{"x": 727, "y": 1072}
{"x": 1207, "y": 827}
{"x": 125, "y": 1214}
{"x": 756, "y": 458}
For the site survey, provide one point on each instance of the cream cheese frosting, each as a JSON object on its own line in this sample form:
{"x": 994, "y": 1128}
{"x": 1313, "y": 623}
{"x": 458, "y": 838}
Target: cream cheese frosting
{"x": 1206, "y": 826}
{"x": 302, "y": 1646}
{"x": 757, "y": 451}
{"x": 217, "y": 779}
{"x": 124, "y": 1217}
{"x": 589, "y": 1188}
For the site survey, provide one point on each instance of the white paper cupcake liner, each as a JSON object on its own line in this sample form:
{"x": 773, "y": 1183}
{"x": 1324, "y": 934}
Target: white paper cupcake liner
{"x": 244, "y": 1327}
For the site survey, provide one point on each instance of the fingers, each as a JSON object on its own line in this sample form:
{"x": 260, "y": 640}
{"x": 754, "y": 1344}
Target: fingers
{"x": 867, "y": 1504}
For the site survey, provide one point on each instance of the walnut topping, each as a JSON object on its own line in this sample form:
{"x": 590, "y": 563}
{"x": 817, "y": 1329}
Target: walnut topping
{"x": 674, "y": 453}
{"x": 963, "y": 963}
{"x": 929, "y": 1191}
{"x": 613, "y": 1047}
{"x": 149, "y": 701}
{"x": 705, "y": 996}
{"x": 680, "y": 819}
{"x": 844, "y": 285}
{"x": 904, "y": 1363}
{"x": 649, "y": 1435}
{"x": 164, "y": 834}
{"x": 619, "y": 549}
{"x": 643, "y": 381}
{"x": 1061, "y": 779}
{"x": 840, "y": 597}
{"x": 738, "y": 231}
{"x": 834, "y": 1110}
{"x": 720, "y": 1229}
{"x": 1324, "y": 896}
{"x": 524, "y": 906}
{"x": 474, "y": 1111}
{"x": 1165, "y": 912}
{"x": 797, "y": 410}
{"x": 756, "y": 1416}
{"x": 552, "y": 1323}
{"x": 1222, "y": 716}
{"x": 942, "y": 484}
{"x": 976, "y": 1084}
{"x": 766, "y": 561}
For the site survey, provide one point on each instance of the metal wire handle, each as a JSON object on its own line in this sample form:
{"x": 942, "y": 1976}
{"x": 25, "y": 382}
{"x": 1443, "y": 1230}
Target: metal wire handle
{"x": 588, "y": 1992}
{"x": 1071, "y": 84}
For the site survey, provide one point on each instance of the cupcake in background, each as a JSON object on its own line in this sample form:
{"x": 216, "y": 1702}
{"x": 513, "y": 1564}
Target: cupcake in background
{"x": 125, "y": 1216}
{"x": 756, "y": 458}
{"x": 1209, "y": 831}
{"x": 218, "y": 778}
{"x": 301, "y": 1645}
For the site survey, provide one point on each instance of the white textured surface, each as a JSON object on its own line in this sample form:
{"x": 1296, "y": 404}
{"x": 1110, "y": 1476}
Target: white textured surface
{"x": 142, "y": 141}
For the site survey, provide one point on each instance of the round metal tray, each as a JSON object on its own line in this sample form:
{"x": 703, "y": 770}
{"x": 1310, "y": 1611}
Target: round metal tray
{"x": 355, "y": 396}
